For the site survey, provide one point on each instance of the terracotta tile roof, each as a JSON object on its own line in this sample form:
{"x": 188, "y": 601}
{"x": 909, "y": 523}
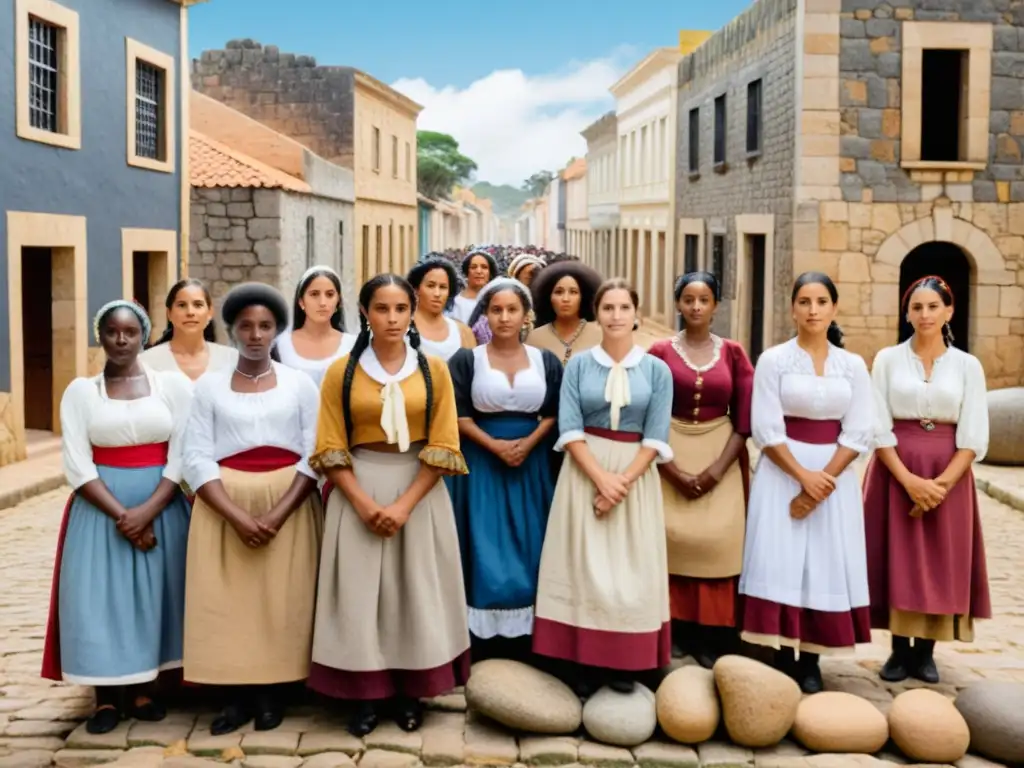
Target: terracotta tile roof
{"x": 212, "y": 164}
{"x": 577, "y": 169}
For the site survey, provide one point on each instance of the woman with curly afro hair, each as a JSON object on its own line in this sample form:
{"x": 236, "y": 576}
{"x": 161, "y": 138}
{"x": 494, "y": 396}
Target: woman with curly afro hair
{"x": 563, "y": 300}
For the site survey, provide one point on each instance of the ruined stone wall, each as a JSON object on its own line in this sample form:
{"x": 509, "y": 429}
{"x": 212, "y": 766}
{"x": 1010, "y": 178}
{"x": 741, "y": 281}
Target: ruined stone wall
{"x": 312, "y": 104}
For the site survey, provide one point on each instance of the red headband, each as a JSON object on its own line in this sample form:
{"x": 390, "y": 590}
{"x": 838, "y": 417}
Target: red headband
{"x": 919, "y": 282}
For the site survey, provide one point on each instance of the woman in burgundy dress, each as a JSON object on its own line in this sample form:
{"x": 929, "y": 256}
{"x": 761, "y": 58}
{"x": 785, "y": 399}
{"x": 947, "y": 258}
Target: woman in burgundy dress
{"x": 926, "y": 555}
{"x": 705, "y": 486}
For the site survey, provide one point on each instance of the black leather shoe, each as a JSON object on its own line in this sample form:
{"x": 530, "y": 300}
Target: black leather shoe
{"x": 809, "y": 677}
{"x": 363, "y": 720}
{"x": 231, "y": 719}
{"x": 924, "y": 668}
{"x": 896, "y": 668}
{"x": 621, "y": 684}
{"x": 105, "y": 719}
{"x": 408, "y": 714}
{"x": 148, "y": 710}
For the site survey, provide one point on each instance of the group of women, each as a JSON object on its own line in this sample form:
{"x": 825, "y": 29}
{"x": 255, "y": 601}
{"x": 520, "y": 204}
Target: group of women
{"x": 502, "y": 471}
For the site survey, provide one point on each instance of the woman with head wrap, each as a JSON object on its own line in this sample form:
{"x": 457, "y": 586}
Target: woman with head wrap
{"x": 523, "y": 268}
{"x": 317, "y": 337}
{"x": 563, "y": 295}
{"x": 255, "y": 533}
{"x": 118, "y": 590}
{"x": 507, "y": 398}
{"x": 478, "y": 269}
{"x": 434, "y": 280}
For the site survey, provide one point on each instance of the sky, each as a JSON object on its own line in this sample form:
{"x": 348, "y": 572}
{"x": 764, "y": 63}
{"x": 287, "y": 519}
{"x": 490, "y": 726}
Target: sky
{"x": 513, "y": 82}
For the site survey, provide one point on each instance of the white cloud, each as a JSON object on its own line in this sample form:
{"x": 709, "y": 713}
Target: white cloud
{"x": 513, "y": 125}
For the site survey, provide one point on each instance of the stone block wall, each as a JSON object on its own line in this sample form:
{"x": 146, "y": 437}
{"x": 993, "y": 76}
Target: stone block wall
{"x": 314, "y": 105}
{"x": 758, "y": 44}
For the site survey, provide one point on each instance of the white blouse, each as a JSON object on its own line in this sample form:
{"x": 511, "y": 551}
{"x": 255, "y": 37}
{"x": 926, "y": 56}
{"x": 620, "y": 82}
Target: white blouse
{"x": 160, "y": 358}
{"x": 443, "y": 349}
{"x": 89, "y": 417}
{"x": 492, "y": 392}
{"x": 463, "y": 309}
{"x": 955, "y": 394}
{"x": 785, "y": 384}
{"x": 315, "y": 369}
{"x": 225, "y": 422}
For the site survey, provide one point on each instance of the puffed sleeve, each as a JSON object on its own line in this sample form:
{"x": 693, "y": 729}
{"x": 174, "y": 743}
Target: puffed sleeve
{"x": 309, "y": 405}
{"x": 881, "y": 369}
{"x": 331, "y": 448}
{"x": 570, "y": 410}
{"x": 658, "y": 419}
{"x": 767, "y": 419}
{"x": 553, "y": 373}
{"x": 442, "y": 450}
{"x": 742, "y": 390}
{"x": 76, "y": 448}
{"x": 858, "y": 424}
{"x": 462, "y": 366}
{"x": 200, "y": 466}
{"x": 177, "y": 391}
{"x": 972, "y": 426}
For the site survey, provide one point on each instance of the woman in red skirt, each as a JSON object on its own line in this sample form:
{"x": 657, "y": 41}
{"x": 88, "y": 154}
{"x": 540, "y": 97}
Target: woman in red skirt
{"x": 926, "y": 556}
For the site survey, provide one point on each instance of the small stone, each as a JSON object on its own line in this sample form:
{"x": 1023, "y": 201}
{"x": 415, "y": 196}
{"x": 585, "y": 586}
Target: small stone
{"x": 548, "y": 750}
{"x": 840, "y": 722}
{"x": 687, "y": 705}
{"x": 378, "y": 758}
{"x": 329, "y": 760}
{"x": 522, "y": 697}
{"x": 927, "y": 727}
{"x": 271, "y": 761}
{"x": 660, "y": 754}
{"x": 488, "y": 744}
{"x": 758, "y": 703}
{"x": 591, "y": 753}
{"x": 994, "y": 712}
{"x": 718, "y": 754}
{"x": 622, "y": 719}
{"x": 161, "y": 734}
{"x": 389, "y": 737}
{"x": 334, "y": 740}
{"x": 275, "y": 742}
{"x": 28, "y": 758}
{"x": 77, "y": 758}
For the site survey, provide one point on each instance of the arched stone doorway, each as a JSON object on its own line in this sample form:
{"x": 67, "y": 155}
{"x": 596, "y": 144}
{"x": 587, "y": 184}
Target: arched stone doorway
{"x": 949, "y": 262}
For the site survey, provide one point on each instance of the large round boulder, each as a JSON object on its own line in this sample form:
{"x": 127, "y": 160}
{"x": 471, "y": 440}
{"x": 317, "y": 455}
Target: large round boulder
{"x": 994, "y": 711}
{"x": 1006, "y": 425}
{"x": 523, "y": 698}
{"x": 687, "y": 705}
{"x": 622, "y": 719}
{"x": 927, "y": 727}
{"x": 840, "y": 722}
{"x": 758, "y": 702}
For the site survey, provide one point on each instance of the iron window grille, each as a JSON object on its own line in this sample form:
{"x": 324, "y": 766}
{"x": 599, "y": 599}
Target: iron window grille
{"x": 694, "y": 133}
{"x": 720, "y": 131}
{"x": 148, "y": 110}
{"x": 43, "y": 73}
{"x": 718, "y": 258}
{"x": 754, "y": 106}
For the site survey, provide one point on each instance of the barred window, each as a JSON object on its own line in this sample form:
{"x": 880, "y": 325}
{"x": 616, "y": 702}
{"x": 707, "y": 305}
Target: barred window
{"x": 43, "y": 58}
{"x": 148, "y": 110}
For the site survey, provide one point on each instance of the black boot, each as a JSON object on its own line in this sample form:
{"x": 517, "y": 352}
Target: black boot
{"x": 704, "y": 646}
{"x": 234, "y": 715}
{"x": 364, "y": 719}
{"x": 924, "y": 668}
{"x": 621, "y": 682}
{"x": 108, "y": 710}
{"x": 897, "y": 666}
{"x": 269, "y": 708}
{"x": 809, "y": 673}
{"x": 682, "y": 638}
{"x": 785, "y": 661}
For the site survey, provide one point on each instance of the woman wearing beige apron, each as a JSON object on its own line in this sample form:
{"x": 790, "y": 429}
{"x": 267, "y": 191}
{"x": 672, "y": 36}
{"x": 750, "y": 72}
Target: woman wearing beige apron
{"x": 705, "y": 486}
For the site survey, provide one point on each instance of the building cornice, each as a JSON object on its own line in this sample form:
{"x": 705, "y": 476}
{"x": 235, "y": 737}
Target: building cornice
{"x": 604, "y": 124}
{"x": 388, "y": 94}
{"x": 656, "y": 61}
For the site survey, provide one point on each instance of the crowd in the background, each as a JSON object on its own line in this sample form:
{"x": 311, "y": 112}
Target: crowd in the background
{"x": 490, "y": 466}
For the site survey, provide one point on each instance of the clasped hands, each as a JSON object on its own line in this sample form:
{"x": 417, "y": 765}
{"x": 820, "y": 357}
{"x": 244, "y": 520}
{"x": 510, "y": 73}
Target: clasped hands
{"x": 136, "y": 525}
{"x": 815, "y": 487}
{"x": 256, "y": 532}
{"x": 384, "y": 521}
{"x": 611, "y": 489}
{"x": 694, "y": 487}
{"x": 512, "y": 452}
{"x": 925, "y": 493}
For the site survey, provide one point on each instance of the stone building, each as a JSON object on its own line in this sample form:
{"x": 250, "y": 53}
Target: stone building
{"x": 264, "y": 208}
{"x": 93, "y": 191}
{"x": 905, "y": 149}
{"x": 344, "y": 116}
{"x": 603, "y": 194}
{"x": 577, "y": 218}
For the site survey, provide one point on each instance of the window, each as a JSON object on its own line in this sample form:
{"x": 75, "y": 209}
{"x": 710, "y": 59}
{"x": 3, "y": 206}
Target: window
{"x": 401, "y": 246}
{"x": 391, "y": 247}
{"x": 341, "y": 244}
{"x": 663, "y": 149}
{"x": 754, "y": 117}
{"x": 375, "y": 150}
{"x": 694, "y": 140}
{"x": 690, "y": 255}
{"x": 720, "y": 130}
{"x": 366, "y": 253}
{"x": 718, "y": 258}
{"x": 943, "y": 73}
{"x": 394, "y": 157}
{"x": 408, "y": 161}
{"x": 380, "y": 248}
{"x": 150, "y": 104}
{"x": 48, "y": 81}
{"x": 310, "y": 241}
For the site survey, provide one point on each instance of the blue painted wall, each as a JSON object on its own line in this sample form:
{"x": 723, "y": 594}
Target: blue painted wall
{"x": 96, "y": 180}
{"x": 425, "y": 212}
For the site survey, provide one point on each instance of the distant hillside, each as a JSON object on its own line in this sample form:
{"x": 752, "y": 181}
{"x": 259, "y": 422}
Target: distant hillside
{"x": 506, "y": 198}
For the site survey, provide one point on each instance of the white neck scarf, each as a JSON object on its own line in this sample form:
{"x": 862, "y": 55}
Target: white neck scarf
{"x": 616, "y": 392}
{"x": 392, "y": 416}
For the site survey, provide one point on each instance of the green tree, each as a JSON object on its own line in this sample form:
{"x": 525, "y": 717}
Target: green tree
{"x": 439, "y": 164}
{"x": 537, "y": 183}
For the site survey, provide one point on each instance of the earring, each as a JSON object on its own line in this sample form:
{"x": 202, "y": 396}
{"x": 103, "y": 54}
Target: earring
{"x": 947, "y": 331}
{"x": 636, "y": 325}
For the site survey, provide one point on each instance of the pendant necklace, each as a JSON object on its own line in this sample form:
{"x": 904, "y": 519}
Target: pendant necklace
{"x": 255, "y": 376}
{"x": 572, "y": 339}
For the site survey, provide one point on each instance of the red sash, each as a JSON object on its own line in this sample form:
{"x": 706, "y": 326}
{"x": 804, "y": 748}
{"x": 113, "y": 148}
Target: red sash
{"x": 126, "y": 457}
{"x": 266, "y": 458}
{"x": 814, "y": 431}
{"x": 614, "y": 434}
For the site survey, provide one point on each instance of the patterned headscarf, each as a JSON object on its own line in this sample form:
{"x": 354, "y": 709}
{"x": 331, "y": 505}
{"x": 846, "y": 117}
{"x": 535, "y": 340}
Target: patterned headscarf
{"x": 483, "y": 299}
{"x": 133, "y": 306}
{"x": 524, "y": 260}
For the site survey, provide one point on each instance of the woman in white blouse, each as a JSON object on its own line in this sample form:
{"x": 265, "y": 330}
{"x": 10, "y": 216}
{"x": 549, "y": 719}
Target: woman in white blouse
{"x": 255, "y": 533}
{"x": 434, "y": 280}
{"x": 317, "y": 337}
{"x": 187, "y": 343}
{"x": 478, "y": 269}
{"x": 804, "y": 572}
{"x": 119, "y": 581}
{"x": 926, "y": 555}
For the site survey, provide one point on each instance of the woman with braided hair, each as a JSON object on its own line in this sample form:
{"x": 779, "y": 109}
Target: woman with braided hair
{"x": 391, "y": 609}
{"x": 926, "y": 555}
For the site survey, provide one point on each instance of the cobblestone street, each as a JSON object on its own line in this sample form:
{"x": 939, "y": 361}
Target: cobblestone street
{"x": 39, "y": 720}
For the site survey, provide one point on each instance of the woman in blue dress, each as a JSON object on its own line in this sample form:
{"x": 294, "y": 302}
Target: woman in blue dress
{"x": 506, "y": 394}
{"x": 602, "y": 596}
{"x": 117, "y": 605}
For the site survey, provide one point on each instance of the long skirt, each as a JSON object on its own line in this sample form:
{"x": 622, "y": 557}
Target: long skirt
{"x": 928, "y": 575}
{"x": 602, "y": 596}
{"x": 249, "y": 612}
{"x": 390, "y": 612}
{"x": 705, "y": 536}
{"x": 501, "y": 513}
{"x": 804, "y": 582}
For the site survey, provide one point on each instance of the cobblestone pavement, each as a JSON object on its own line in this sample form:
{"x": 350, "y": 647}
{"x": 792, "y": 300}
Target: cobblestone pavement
{"x": 40, "y": 721}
